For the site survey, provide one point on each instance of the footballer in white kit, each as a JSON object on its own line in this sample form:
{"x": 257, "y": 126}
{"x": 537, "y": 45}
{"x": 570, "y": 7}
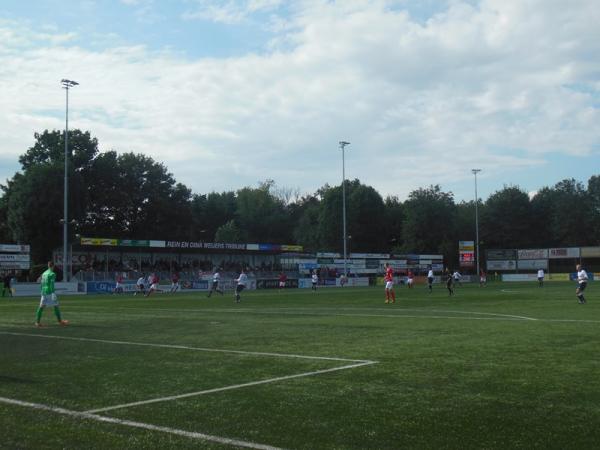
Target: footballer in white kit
{"x": 582, "y": 280}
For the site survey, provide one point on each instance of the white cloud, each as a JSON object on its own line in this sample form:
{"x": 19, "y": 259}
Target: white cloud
{"x": 497, "y": 85}
{"x": 229, "y": 11}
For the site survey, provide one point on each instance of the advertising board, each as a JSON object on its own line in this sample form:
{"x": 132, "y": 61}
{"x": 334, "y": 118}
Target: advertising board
{"x": 15, "y": 248}
{"x": 273, "y": 283}
{"x": 501, "y": 254}
{"x": 559, "y": 253}
{"x": 532, "y": 264}
{"x": 34, "y": 289}
{"x": 15, "y": 257}
{"x": 511, "y": 277}
{"x": 501, "y": 265}
{"x": 590, "y": 252}
{"x": 306, "y": 283}
{"x": 533, "y": 253}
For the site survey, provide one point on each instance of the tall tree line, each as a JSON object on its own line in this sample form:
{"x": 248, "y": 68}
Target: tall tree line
{"x": 130, "y": 195}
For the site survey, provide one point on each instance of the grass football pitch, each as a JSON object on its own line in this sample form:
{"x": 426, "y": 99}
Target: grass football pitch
{"x": 505, "y": 366}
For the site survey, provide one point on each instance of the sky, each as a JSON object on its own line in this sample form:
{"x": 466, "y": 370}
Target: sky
{"x": 229, "y": 93}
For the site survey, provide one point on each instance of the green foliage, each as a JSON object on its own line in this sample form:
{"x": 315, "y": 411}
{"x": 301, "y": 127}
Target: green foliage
{"x": 567, "y": 214}
{"x": 35, "y": 209}
{"x": 229, "y": 232}
{"x": 505, "y": 219}
{"x": 430, "y": 218}
{"x": 306, "y": 218}
{"x": 262, "y": 215}
{"x": 49, "y": 148}
{"x": 211, "y": 211}
{"x": 127, "y": 195}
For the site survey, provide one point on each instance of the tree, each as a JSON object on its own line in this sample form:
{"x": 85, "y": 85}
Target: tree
{"x": 393, "y": 223}
{"x": 594, "y": 196}
{"x": 261, "y": 215}
{"x": 211, "y": 211}
{"x": 365, "y": 216}
{"x": 132, "y": 195}
{"x": 109, "y": 195}
{"x": 229, "y": 232}
{"x": 49, "y": 148}
{"x": 35, "y": 209}
{"x": 305, "y": 214}
{"x": 429, "y": 224}
{"x": 567, "y": 213}
{"x": 506, "y": 219}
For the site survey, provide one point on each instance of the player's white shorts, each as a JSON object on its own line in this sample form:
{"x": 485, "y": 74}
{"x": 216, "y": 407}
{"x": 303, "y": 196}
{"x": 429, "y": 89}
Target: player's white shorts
{"x": 118, "y": 285}
{"x": 49, "y": 300}
{"x": 154, "y": 286}
{"x": 282, "y": 284}
{"x": 389, "y": 285}
{"x": 410, "y": 281}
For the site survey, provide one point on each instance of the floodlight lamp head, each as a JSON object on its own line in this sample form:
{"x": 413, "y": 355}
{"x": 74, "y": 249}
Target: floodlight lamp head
{"x": 68, "y": 83}
{"x": 475, "y": 171}
{"x": 344, "y": 143}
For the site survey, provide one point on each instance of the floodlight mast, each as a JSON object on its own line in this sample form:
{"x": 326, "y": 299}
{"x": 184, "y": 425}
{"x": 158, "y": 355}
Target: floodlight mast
{"x": 475, "y": 172}
{"x": 343, "y": 145}
{"x": 67, "y": 84}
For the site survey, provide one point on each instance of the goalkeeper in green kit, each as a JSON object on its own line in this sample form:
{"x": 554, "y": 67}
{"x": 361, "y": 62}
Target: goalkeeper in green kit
{"x": 49, "y": 297}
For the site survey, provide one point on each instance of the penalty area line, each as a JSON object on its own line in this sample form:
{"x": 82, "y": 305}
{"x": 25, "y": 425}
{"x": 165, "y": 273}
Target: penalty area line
{"x": 187, "y": 347}
{"x": 142, "y": 425}
{"x": 229, "y": 388}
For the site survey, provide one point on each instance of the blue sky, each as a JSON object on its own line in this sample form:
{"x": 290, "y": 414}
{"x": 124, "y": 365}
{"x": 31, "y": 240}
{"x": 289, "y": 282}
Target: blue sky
{"x": 228, "y": 93}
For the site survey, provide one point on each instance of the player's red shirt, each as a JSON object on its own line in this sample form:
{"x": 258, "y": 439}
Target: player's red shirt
{"x": 283, "y": 277}
{"x": 119, "y": 278}
{"x": 410, "y": 274}
{"x": 175, "y": 278}
{"x": 389, "y": 274}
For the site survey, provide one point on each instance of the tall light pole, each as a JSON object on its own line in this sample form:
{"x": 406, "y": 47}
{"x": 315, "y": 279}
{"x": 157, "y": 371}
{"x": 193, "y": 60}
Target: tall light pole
{"x": 475, "y": 172}
{"x": 67, "y": 84}
{"x": 343, "y": 146}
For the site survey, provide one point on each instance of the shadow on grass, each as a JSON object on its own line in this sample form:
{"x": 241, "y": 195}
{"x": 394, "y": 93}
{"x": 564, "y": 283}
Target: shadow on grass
{"x": 9, "y": 379}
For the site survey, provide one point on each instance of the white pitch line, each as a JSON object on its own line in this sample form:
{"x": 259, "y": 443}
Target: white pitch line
{"x": 145, "y": 426}
{"x": 185, "y": 347}
{"x": 228, "y": 388}
{"x": 310, "y": 312}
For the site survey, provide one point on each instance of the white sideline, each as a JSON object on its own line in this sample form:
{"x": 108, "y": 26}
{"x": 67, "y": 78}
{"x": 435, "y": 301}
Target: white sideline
{"x": 317, "y": 313}
{"x": 145, "y": 426}
{"x": 185, "y": 347}
{"x": 227, "y": 388}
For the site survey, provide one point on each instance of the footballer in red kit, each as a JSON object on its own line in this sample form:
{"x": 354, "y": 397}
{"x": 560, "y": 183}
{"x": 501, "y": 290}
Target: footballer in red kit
{"x": 390, "y": 295}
